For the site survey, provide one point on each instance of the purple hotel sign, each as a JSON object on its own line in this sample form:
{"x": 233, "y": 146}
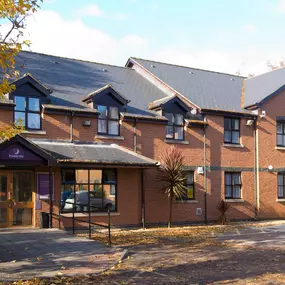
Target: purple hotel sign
{"x": 43, "y": 185}
{"x": 19, "y": 153}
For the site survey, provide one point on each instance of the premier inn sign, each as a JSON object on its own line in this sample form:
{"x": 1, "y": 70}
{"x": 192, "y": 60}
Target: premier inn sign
{"x": 18, "y": 152}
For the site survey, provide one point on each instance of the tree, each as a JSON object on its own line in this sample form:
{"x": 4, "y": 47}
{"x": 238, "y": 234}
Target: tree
{"x": 13, "y": 14}
{"x": 171, "y": 176}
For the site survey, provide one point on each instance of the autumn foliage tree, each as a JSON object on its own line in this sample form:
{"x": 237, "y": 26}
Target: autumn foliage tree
{"x": 13, "y": 14}
{"x": 171, "y": 176}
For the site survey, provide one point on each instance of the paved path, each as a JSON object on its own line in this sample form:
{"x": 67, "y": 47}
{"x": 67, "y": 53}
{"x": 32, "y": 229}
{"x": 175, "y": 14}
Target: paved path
{"x": 29, "y": 253}
{"x": 261, "y": 237}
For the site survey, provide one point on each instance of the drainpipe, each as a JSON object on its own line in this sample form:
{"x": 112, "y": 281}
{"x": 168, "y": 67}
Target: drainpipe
{"x": 205, "y": 175}
{"x": 50, "y": 197}
{"x": 71, "y": 126}
{"x": 255, "y": 169}
{"x": 143, "y": 199}
{"x": 135, "y": 135}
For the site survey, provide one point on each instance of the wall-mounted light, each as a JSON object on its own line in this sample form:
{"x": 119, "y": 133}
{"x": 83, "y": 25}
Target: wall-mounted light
{"x": 249, "y": 123}
{"x": 87, "y": 123}
{"x": 270, "y": 168}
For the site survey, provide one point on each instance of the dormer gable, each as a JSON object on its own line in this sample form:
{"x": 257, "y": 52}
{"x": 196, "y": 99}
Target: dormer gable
{"x": 30, "y": 80}
{"x": 107, "y": 96}
{"x": 170, "y": 104}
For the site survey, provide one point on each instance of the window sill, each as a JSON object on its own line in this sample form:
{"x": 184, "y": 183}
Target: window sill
{"x": 40, "y": 132}
{"x": 234, "y": 200}
{"x": 186, "y": 202}
{"x": 81, "y": 215}
{"x": 280, "y": 147}
{"x": 233, "y": 145}
{"x": 176, "y": 141}
{"x": 280, "y": 200}
{"x": 106, "y": 137}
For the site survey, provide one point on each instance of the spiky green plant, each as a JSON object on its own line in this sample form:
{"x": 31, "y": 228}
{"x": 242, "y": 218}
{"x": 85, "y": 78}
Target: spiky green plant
{"x": 171, "y": 176}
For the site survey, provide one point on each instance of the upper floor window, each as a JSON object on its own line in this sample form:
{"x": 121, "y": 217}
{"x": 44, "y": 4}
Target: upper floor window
{"x": 189, "y": 183}
{"x": 175, "y": 126}
{"x": 280, "y": 133}
{"x": 28, "y": 112}
{"x": 233, "y": 185}
{"x": 108, "y": 121}
{"x": 232, "y": 130}
{"x": 281, "y": 185}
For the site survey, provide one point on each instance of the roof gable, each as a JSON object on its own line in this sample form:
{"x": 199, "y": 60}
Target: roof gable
{"x": 204, "y": 89}
{"x": 28, "y": 78}
{"x": 168, "y": 100}
{"x": 19, "y": 149}
{"x": 261, "y": 88}
{"x": 106, "y": 90}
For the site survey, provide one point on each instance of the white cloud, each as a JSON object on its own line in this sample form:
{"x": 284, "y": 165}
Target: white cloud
{"x": 252, "y": 60}
{"x": 249, "y": 28}
{"x": 91, "y": 10}
{"x": 281, "y": 6}
{"x": 119, "y": 16}
{"x": 73, "y": 38}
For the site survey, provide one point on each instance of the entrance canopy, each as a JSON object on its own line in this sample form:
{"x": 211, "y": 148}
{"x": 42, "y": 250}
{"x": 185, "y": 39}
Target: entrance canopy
{"x": 63, "y": 153}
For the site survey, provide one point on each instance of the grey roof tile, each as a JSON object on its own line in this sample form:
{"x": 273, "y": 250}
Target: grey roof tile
{"x": 95, "y": 153}
{"x": 72, "y": 80}
{"x": 206, "y": 89}
{"x": 259, "y": 87}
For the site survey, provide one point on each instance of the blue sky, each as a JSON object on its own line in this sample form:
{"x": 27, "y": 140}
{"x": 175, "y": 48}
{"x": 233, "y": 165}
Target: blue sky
{"x": 222, "y": 35}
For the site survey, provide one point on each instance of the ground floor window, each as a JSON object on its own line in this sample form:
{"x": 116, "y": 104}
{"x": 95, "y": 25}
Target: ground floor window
{"x": 281, "y": 185}
{"x": 233, "y": 185}
{"x": 79, "y": 186}
{"x": 189, "y": 183}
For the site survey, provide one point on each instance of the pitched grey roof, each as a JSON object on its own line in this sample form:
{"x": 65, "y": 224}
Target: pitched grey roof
{"x": 72, "y": 80}
{"x": 206, "y": 89}
{"x": 259, "y": 87}
{"x": 94, "y": 153}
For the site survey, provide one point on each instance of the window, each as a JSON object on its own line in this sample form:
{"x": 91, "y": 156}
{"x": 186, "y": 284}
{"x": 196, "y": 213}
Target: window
{"x": 280, "y": 133}
{"x": 281, "y": 185}
{"x": 78, "y": 186}
{"x": 189, "y": 183}
{"x": 233, "y": 185}
{"x": 28, "y": 112}
{"x": 232, "y": 130}
{"x": 108, "y": 122}
{"x": 175, "y": 126}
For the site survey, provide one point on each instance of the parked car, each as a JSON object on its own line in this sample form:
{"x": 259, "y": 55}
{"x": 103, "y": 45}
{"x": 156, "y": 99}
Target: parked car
{"x": 81, "y": 200}
{"x": 64, "y": 197}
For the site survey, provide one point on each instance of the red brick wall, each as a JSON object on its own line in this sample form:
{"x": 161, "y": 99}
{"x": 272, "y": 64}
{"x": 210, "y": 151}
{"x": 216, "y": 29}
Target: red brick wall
{"x": 128, "y": 199}
{"x": 268, "y": 155}
{"x": 6, "y": 118}
{"x": 150, "y": 142}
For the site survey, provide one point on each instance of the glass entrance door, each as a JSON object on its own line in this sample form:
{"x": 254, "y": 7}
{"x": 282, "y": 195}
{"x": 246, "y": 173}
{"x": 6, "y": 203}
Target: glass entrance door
{"x": 23, "y": 186}
{"x": 5, "y": 202}
{"x": 16, "y": 198}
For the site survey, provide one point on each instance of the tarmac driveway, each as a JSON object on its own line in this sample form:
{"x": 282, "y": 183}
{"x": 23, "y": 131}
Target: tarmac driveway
{"x": 29, "y": 253}
{"x": 252, "y": 255}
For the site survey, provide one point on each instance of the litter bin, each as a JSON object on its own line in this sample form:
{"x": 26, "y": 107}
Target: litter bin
{"x": 44, "y": 220}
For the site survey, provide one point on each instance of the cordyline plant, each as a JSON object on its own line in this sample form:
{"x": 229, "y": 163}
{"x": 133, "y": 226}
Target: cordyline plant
{"x": 172, "y": 177}
{"x": 13, "y": 14}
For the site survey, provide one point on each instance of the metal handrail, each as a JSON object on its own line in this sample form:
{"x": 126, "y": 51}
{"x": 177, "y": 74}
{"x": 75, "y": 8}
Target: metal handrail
{"x": 108, "y": 226}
